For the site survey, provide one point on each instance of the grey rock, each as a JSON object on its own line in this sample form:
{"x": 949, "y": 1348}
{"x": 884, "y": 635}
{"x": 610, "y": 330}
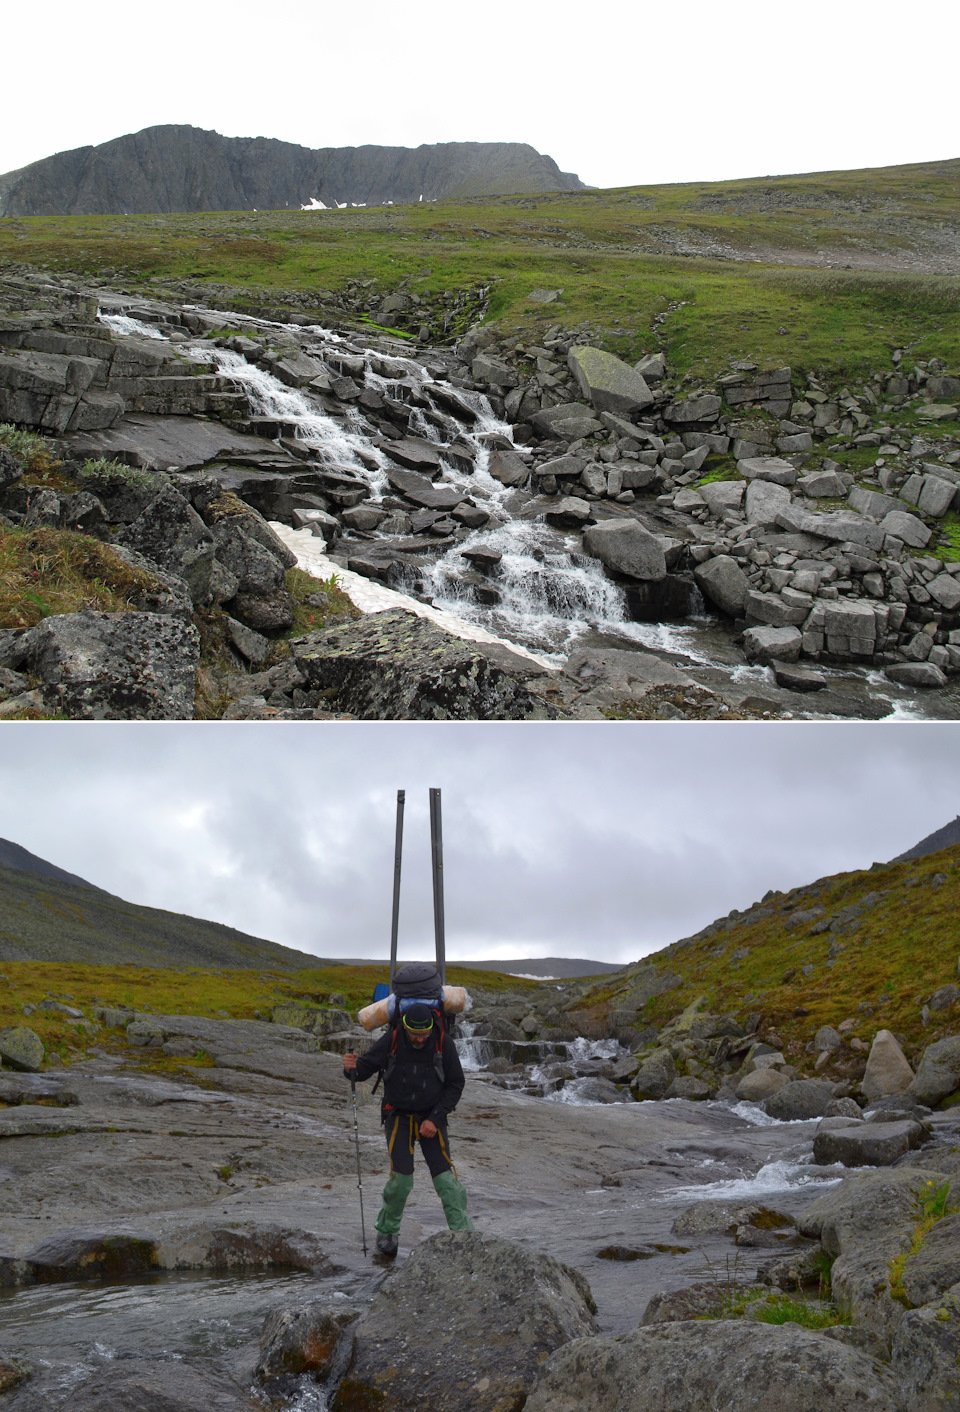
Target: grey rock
{"x": 508, "y": 468}
{"x": 868, "y": 1144}
{"x": 21, "y": 1049}
{"x": 701, "y": 1366}
{"x": 493, "y": 371}
{"x": 945, "y": 589}
{"x": 722, "y": 581}
{"x": 625, "y": 547}
{"x": 256, "y": 569}
{"x": 116, "y": 666}
{"x": 264, "y": 612}
{"x": 652, "y": 367}
{"x": 773, "y": 610}
{"x": 162, "y": 1386}
{"x": 423, "y": 492}
{"x": 720, "y": 495}
{"x": 825, "y": 485}
{"x": 415, "y": 455}
{"x": 395, "y": 666}
{"x": 935, "y": 1266}
{"x": 172, "y": 534}
{"x": 828, "y": 1038}
{"x": 298, "y": 1341}
{"x": 794, "y": 678}
{"x": 248, "y": 643}
{"x": 10, "y": 468}
{"x": 164, "y": 593}
{"x": 938, "y": 1075}
{"x": 943, "y": 998}
{"x": 570, "y": 512}
{"x": 765, "y": 500}
{"x": 800, "y": 1099}
{"x": 505, "y": 1311}
{"x": 695, "y": 412}
{"x": 610, "y": 384}
{"x": 761, "y": 1084}
{"x": 922, "y": 674}
{"x": 768, "y": 644}
{"x": 684, "y": 1086}
{"x": 767, "y": 468}
{"x": 654, "y": 1076}
{"x": 925, "y": 1358}
{"x": 569, "y": 421}
{"x": 887, "y": 1070}
{"x": 902, "y": 525}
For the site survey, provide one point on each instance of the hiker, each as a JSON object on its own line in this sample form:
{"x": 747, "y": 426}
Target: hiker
{"x": 422, "y": 1084}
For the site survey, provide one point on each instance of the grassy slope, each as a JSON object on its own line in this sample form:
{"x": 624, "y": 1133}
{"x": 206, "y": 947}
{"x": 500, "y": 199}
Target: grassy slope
{"x": 233, "y": 994}
{"x": 709, "y": 256}
{"x": 42, "y": 919}
{"x": 891, "y": 959}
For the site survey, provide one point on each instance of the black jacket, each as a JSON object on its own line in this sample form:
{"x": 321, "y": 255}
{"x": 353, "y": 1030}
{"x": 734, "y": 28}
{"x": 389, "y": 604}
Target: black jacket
{"x": 411, "y": 1082}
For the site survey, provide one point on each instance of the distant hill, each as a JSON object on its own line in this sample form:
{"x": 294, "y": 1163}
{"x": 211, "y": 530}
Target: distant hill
{"x": 549, "y": 967}
{"x": 53, "y": 917}
{"x": 181, "y": 168}
{"x": 943, "y": 838}
{"x": 13, "y": 856}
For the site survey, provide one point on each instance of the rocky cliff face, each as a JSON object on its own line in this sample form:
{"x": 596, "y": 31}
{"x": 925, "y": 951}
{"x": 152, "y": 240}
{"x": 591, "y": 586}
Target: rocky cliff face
{"x": 181, "y": 168}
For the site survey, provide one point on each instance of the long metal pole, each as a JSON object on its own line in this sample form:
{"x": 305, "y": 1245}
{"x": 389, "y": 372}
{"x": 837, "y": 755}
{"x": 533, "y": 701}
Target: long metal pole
{"x": 436, "y": 849}
{"x": 398, "y": 850}
{"x": 356, "y": 1134}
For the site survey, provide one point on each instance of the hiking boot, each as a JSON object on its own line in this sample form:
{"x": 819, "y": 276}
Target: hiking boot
{"x": 387, "y": 1245}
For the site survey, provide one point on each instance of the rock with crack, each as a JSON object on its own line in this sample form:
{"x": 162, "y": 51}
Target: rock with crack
{"x": 395, "y": 666}
{"x": 476, "y": 1339}
{"x": 609, "y": 383}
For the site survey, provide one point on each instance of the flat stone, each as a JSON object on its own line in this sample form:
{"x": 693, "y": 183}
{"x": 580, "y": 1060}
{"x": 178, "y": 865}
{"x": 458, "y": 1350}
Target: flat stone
{"x": 570, "y": 512}
{"x": 722, "y": 495}
{"x": 569, "y": 421}
{"x": 794, "y": 678}
{"x": 422, "y": 491}
{"x": 768, "y": 644}
{"x": 868, "y": 1144}
{"x": 768, "y": 468}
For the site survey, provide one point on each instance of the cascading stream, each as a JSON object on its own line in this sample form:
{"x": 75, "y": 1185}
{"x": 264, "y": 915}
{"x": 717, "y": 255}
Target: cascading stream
{"x": 549, "y": 593}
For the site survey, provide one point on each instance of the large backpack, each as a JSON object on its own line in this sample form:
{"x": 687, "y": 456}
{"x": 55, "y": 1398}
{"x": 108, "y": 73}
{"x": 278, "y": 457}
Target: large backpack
{"x": 418, "y": 983}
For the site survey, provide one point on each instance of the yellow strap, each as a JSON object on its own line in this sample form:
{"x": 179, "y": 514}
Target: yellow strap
{"x": 393, "y": 1138}
{"x": 443, "y": 1149}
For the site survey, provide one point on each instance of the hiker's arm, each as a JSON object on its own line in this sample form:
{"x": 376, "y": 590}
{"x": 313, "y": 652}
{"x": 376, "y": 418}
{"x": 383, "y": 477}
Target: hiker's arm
{"x": 371, "y": 1062}
{"x": 453, "y": 1086}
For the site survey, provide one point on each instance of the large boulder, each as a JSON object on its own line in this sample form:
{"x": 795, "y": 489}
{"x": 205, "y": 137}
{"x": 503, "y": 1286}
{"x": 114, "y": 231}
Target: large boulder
{"x": 21, "y": 1049}
{"x": 764, "y": 502}
{"x": 467, "y": 1323}
{"x": 887, "y": 1069}
{"x": 397, "y": 667}
{"x": 171, "y": 533}
{"x": 800, "y": 1099}
{"x": 115, "y": 666}
{"x": 256, "y": 569}
{"x": 761, "y": 1084}
{"x": 625, "y": 547}
{"x": 723, "y": 582}
{"x": 704, "y": 1365}
{"x": 767, "y": 644}
{"x": 611, "y": 385}
{"x": 508, "y": 468}
{"x": 654, "y": 1076}
{"x": 866, "y": 1222}
{"x": 867, "y": 1144}
{"x": 939, "y": 1073}
{"x": 925, "y": 1358}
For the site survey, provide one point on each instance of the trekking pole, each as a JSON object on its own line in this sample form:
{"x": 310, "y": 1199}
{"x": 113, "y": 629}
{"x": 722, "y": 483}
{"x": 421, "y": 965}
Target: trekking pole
{"x": 436, "y": 848}
{"x": 356, "y": 1134}
{"x": 397, "y": 852}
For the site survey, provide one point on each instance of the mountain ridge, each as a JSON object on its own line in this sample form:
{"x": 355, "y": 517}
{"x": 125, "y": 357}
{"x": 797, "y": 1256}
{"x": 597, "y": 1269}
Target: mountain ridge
{"x": 12, "y": 855}
{"x": 179, "y": 168}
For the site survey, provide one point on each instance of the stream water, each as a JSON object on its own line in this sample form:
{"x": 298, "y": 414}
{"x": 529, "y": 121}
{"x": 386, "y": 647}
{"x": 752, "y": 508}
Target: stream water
{"x": 551, "y": 595}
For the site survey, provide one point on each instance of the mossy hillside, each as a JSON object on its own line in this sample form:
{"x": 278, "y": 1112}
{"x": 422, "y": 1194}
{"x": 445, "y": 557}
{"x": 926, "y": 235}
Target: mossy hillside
{"x": 227, "y": 993}
{"x": 878, "y": 968}
{"x": 611, "y": 252}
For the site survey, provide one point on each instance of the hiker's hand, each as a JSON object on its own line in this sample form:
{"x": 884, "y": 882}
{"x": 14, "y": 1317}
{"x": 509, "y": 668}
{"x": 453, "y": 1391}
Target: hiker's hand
{"x": 350, "y": 1061}
{"x": 428, "y": 1129}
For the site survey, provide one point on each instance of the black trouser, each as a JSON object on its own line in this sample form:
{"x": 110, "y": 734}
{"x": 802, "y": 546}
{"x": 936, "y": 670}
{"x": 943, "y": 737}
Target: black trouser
{"x": 402, "y": 1131}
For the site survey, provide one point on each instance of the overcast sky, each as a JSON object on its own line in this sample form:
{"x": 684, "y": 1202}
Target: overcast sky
{"x": 620, "y": 93}
{"x": 601, "y": 841}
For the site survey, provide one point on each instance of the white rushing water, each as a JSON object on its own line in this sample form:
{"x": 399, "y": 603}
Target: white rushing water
{"x": 778, "y": 1176}
{"x": 550, "y": 593}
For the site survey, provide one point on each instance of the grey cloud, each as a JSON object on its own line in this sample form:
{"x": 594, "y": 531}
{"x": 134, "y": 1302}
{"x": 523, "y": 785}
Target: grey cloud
{"x": 598, "y": 840}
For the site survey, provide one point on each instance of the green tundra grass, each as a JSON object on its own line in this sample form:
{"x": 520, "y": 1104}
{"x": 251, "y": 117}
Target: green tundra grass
{"x": 827, "y": 272}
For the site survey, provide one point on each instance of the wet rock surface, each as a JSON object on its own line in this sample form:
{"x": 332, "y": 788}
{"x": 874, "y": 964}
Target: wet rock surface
{"x": 225, "y": 1197}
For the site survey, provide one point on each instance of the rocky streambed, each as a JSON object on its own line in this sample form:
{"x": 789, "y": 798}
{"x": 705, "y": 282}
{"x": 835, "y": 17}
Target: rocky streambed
{"x": 192, "y": 1238}
{"x": 569, "y": 537}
